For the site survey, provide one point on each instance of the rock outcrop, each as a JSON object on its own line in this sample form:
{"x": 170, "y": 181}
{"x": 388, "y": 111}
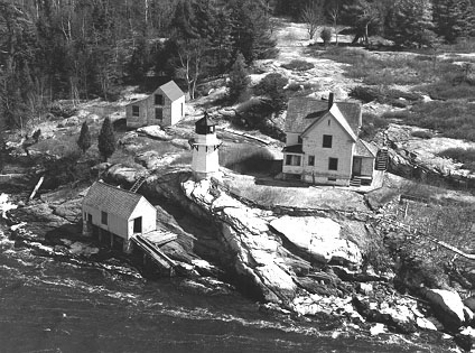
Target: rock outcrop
{"x": 448, "y": 307}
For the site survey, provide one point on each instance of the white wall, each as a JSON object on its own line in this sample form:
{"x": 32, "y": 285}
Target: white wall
{"x": 342, "y": 148}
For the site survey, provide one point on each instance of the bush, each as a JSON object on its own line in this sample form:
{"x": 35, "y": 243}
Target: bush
{"x": 326, "y": 35}
{"x": 371, "y": 125}
{"x": 423, "y": 134}
{"x": 272, "y": 86}
{"x": 298, "y": 65}
{"x": 462, "y": 155}
{"x": 384, "y": 96}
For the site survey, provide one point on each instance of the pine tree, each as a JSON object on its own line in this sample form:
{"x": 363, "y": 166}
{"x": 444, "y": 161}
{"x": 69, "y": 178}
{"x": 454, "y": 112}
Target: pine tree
{"x": 453, "y": 18}
{"x": 106, "y": 139}
{"x": 238, "y": 78}
{"x": 84, "y": 141}
{"x": 410, "y": 22}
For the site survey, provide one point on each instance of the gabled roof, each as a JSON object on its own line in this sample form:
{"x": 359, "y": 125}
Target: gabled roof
{"x": 303, "y": 111}
{"x": 365, "y": 149}
{"x": 335, "y": 112}
{"x": 112, "y": 200}
{"x": 171, "y": 90}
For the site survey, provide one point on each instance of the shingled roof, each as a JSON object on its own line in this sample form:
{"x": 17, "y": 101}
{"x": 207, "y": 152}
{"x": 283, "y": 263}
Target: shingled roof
{"x": 171, "y": 90}
{"x": 112, "y": 200}
{"x": 304, "y": 111}
{"x": 365, "y": 149}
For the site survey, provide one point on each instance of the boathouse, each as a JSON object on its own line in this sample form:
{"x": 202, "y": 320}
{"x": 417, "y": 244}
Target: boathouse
{"x": 115, "y": 215}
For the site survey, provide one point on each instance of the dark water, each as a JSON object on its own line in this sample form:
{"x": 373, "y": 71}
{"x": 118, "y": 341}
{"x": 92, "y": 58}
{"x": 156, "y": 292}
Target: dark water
{"x": 52, "y": 305}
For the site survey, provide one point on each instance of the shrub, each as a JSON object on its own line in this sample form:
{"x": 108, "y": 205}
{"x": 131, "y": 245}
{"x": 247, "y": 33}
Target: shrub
{"x": 272, "y": 86}
{"x": 371, "y": 125}
{"x": 298, "y": 65}
{"x": 326, "y": 35}
{"x": 84, "y": 141}
{"x": 462, "y": 155}
{"x": 423, "y": 134}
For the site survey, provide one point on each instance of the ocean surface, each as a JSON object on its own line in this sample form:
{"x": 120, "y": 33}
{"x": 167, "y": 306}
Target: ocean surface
{"x": 50, "y": 304}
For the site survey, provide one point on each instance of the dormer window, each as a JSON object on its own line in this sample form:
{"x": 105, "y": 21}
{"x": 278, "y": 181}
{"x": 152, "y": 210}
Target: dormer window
{"x": 135, "y": 110}
{"x": 158, "y": 99}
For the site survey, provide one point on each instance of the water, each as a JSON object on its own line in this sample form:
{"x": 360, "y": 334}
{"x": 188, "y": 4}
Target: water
{"x": 54, "y": 305}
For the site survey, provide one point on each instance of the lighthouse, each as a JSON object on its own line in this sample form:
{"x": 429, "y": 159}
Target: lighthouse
{"x": 205, "y": 147}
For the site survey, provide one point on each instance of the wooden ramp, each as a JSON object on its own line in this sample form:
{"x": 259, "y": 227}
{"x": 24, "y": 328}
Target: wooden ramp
{"x": 155, "y": 254}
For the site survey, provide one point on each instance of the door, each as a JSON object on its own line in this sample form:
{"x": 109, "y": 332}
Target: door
{"x": 357, "y": 163}
{"x": 138, "y": 225}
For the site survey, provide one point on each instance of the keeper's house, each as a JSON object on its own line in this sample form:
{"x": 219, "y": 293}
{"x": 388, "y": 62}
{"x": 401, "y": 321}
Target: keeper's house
{"x": 164, "y": 107}
{"x": 322, "y": 144}
{"x": 116, "y": 215}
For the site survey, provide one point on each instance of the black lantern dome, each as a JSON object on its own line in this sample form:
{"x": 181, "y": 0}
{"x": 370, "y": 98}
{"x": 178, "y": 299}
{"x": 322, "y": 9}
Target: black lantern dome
{"x": 205, "y": 125}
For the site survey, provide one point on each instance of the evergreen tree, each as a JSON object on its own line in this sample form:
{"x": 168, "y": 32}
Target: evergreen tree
{"x": 238, "y": 78}
{"x": 410, "y": 22}
{"x": 454, "y": 18}
{"x": 106, "y": 139}
{"x": 84, "y": 141}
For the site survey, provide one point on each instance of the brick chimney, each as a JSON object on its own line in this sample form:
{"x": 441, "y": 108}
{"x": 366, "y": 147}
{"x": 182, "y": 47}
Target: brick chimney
{"x": 331, "y": 96}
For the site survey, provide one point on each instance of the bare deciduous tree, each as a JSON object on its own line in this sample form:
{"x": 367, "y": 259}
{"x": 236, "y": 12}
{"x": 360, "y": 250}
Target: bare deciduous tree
{"x": 313, "y": 17}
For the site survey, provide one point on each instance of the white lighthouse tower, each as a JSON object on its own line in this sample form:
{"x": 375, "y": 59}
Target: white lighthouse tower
{"x": 205, "y": 147}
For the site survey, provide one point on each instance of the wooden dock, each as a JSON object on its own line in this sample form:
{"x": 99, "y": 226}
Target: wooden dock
{"x": 152, "y": 251}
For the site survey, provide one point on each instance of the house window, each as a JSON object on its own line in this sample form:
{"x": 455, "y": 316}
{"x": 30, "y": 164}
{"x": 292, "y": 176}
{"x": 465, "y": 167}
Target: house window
{"x": 293, "y": 160}
{"x": 104, "y": 219}
{"x": 299, "y": 140}
{"x": 333, "y": 180}
{"x": 182, "y": 109}
{"x": 158, "y": 113}
{"x": 288, "y": 160}
{"x": 311, "y": 160}
{"x": 333, "y": 163}
{"x": 329, "y": 122}
{"x": 158, "y": 99}
{"x": 327, "y": 141}
{"x": 135, "y": 110}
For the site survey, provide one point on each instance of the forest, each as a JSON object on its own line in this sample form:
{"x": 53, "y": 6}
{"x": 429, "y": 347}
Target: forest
{"x": 83, "y": 49}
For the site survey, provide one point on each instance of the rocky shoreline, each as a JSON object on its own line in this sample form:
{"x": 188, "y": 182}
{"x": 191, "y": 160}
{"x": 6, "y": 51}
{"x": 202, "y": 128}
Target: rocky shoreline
{"x": 302, "y": 264}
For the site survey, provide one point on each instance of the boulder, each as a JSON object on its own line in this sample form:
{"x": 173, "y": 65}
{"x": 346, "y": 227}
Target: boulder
{"x": 123, "y": 174}
{"x": 153, "y": 159}
{"x": 319, "y": 237}
{"x": 70, "y": 210}
{"x": 155, "y": 132}
{"x": 448, "y": 307}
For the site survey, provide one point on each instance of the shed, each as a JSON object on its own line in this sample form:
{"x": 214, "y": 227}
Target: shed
{"x": 117, "y": 212}
{"x": 164, "y": 107}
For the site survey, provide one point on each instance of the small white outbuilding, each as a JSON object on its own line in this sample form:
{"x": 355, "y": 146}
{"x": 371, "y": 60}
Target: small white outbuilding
{"x": 116, "y": 215}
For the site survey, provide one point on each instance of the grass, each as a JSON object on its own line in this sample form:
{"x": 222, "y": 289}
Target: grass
{"x": 462, "y": 155}
{"x": 247, "y": 159}
{"x": 385, "y": 69}
{"x": 453, "y": 119}
{"x": 303, "y": 197}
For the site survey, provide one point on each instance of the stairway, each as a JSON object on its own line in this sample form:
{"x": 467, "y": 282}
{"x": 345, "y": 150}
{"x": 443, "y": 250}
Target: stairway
{"x": 355, "y": 181}
{"x": 382, "y": 159}
{"x": 138, "y": 183}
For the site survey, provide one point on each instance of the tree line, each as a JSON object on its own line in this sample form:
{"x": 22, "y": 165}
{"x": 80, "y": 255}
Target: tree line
{"x": 406, "y": 22}
{"x": 81, "y": 49}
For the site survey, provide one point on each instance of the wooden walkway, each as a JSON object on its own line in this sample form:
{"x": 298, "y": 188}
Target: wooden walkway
{"x": 153, "y": 252}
